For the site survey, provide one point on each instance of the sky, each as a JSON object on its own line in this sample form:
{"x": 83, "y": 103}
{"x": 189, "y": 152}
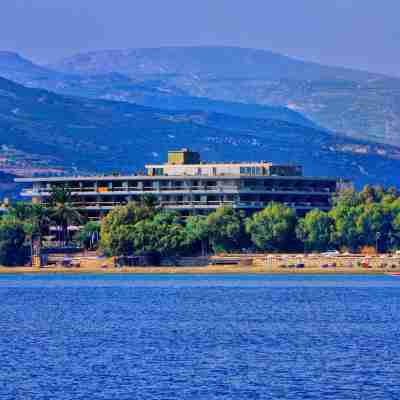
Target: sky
{"x": 363, "y": 34}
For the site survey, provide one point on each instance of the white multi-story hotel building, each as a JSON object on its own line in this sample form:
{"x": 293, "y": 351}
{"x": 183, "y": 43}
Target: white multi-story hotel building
{"x": 187, "y": 185}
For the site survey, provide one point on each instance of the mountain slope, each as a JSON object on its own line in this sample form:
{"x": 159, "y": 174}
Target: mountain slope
{"x": 100, "y": 135}
{"x": 356, "y": 103}
{"x": 115, "y": 86}
{"x": 154, "y": 94}
{"x": 227, "y": 62}
{"x": 15, "y": 67}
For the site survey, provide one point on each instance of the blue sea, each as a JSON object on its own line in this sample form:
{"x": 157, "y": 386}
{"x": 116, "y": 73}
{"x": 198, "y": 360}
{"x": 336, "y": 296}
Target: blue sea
{"x": 199, "y": 337}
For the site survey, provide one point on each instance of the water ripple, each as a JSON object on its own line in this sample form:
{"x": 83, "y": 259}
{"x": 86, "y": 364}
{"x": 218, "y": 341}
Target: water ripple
{"x": 199, "y": 337}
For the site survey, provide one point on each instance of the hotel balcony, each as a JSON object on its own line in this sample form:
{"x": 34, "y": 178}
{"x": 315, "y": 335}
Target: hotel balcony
{"x": 177, "y": 189}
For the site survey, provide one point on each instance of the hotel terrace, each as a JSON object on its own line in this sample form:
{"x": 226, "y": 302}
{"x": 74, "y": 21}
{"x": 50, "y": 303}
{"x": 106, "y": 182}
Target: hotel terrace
{"x": 190, "y": 186}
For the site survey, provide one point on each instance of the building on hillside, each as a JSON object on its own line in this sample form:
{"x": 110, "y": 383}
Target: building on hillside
{"x": 188, "y": 185}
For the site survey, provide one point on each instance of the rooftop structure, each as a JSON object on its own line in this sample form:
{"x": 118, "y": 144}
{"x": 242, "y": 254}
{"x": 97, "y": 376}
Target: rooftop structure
{"x": 187, "y": 185}
{"x": 187, "y": 163}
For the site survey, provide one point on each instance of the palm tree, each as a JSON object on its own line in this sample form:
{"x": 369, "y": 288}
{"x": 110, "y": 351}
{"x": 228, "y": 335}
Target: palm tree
{"x": 35, "y": 219}
{"x": 22, "y": 211}
{"x": 40, "y": 220}
{"x": 62, "y": 212}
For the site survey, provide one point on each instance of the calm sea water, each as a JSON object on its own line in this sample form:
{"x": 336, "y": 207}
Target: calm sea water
{"x": 199, "y": 337}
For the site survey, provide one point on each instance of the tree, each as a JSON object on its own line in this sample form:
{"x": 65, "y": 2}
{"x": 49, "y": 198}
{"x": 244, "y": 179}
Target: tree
{"x": 315, "y": 230}
{"x": 347, "y": 198}
{"x": 114, "y": 228}
{"x": 12, "y": 238}
{"x": 393, "y": 192}
{"x": 21, "y": 211}
{"x": 272, "y": 228}
{"x": 89, "y": 234}
{"x": 117, "y": 227}
{"x": 162, "y": 234}
{"x": 396, "y": 231}
{"x": 34, "y": 217}
{"x": 140, "y": 229}
{"x": 344, "y": 214}
{"x": 345, "y": 232}
{"x": 373, "y": 224}
{"x": 197, "y": 231}
{"x": 371, "y": 194}
{"x": 62, "y": 211}
{"x": 169, "y": 235}
{"x": 225, "y": 229}
{"x": 365, "y": 218}
{"x": 149, "y": 201}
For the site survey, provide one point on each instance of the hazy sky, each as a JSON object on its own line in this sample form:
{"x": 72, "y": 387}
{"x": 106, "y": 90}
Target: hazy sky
{"x": 357, "y": 33}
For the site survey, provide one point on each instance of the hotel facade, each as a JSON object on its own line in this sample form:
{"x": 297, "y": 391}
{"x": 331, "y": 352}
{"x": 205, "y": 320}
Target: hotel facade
{"x": 188, "y": 185}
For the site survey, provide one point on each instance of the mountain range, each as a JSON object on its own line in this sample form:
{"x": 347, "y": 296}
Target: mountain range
{"x": 115, "y": 86}
{"x": 116, "y": 110}
{"x": 356, "y": 103}
{"x": 352, "y": 103}
{"x": 87, "y": 135}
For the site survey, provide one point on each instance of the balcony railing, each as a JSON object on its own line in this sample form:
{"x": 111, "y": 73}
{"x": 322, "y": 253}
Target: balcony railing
{"x": 188, "y": 203}
{"x": 183, "y": 189}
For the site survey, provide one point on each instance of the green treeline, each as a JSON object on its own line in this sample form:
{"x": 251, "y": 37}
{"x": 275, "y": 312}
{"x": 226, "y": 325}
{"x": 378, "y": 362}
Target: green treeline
{"x": 27, "y": 222}
{"x": 358, "y": 219}
{"x": 367, "y": 218}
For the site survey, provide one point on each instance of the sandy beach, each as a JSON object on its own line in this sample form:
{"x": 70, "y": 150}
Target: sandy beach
{"x": 295, "y": 264}
{"x": 219, "y": 269}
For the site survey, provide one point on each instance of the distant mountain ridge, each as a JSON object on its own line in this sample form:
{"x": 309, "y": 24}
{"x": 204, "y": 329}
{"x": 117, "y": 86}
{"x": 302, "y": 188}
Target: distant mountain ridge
{"x": 15, "y": 66}
{"x": 116, "y": 86}
{"x": 211, "y": 61}
{"x": 356, "y": 103}
{"x": 80, "y": 134}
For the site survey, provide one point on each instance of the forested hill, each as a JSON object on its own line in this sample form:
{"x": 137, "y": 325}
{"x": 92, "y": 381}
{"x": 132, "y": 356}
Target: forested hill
{"x": 98, "y": 135}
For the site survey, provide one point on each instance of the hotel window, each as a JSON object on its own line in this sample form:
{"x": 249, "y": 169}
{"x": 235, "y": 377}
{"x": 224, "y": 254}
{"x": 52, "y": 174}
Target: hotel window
{"x": 164, "y": 184}
{"x": 245, "y": 170}
{"x": 177, "y": 185}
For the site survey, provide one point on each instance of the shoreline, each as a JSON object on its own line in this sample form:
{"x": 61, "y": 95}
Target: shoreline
{"x": 238, "y": 264}
{"x": 210, "y": 270}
